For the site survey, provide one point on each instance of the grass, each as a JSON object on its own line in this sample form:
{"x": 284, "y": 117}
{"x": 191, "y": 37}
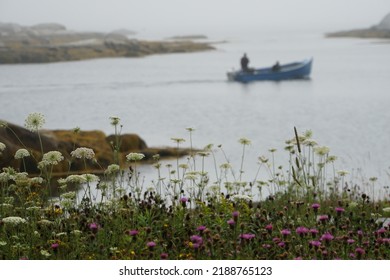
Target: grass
{"x": 309, "y": 211}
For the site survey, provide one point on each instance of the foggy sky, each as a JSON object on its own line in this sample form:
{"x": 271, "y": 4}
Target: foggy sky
{"x": 107, "y": 15}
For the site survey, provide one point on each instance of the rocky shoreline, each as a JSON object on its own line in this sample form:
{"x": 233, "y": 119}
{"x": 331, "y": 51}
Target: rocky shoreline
{"x": 15, "y": 137}
{"x": 45, "y": 43}
{"x": 379, "y": 31}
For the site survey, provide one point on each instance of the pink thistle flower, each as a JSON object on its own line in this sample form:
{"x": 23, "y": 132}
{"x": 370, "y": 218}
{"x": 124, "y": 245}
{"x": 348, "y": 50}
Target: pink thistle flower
{"x": 94, "y": 227}
{"x": 360, "y": 252}
{"x": 327, "y": 237}
{"x": 350, "y": 241}
{"x": 302, "y": 231}
{"x": 196, "y": 239}
{"x": 266, "y": 246}
{"x": 55, "y": 246}
{"x": 339, "y": 210}
{"x": 231, "y": 223}
{"x": 285, "y": 232}
{"x": 235, "y": 215}
{"x": 269, "y": 227}
{"x": 313, "y": 232}
{"x": 163, "y": 256}
{"x": 133, "y": 232}
{"x": 315, "y": 207}
{"x": 281, "y": 244}
{"x": 151, "y": 244}
{"x": 201, "y": 228}
{"x": 247, "y": 236}
{"x": 315, "y": 243}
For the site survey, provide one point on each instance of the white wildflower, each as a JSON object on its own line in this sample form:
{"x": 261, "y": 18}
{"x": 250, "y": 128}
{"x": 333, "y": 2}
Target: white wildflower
{"x": 135, "y": 156}
{"x": 244, "y": 141}
{"x": 83, "y": 152}
{"x": 112, "y": 169}
{"x": 241, "y": 197}
{"x": 45, "y": 253}
{"x": 342, "y": 173}
{"x": 78, "y": 179}
{"x": 3, "y": 243}
{"x": 51, "y": 158}
{"x": 178, "y": 140}
{"x": 114, "y": 120}
{"x": 91, "y": 178}
{"x": 321, "y": 151}
{"x": 21, "y": 153}
{"x": 2, "y": 146}
{"x": 225, "y": 165}
{"x": 14, "y": 220}
{"x": 68, "y": 195}
{"x": 34, "y": 121}
{"x": 36, "y": 180}
{"x": 386, "y": 210}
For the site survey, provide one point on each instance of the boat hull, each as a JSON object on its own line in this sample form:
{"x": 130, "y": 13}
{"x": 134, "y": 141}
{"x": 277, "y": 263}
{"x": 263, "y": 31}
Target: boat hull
{"x": 296, "y": 70}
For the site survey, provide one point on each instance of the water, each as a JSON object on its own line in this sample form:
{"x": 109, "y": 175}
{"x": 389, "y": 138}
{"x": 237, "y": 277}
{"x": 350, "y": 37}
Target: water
{"x": 345, "y": 104}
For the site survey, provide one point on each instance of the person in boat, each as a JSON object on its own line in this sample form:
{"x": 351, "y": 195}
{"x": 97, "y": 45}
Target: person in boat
{"x": 244, "y": 63}
{"x": 276, "y": 66}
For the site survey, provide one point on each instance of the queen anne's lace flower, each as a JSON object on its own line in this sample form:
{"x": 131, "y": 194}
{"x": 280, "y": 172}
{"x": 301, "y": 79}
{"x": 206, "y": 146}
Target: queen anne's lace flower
{"x": 14, "y": 220}
{"x": 112, "y": 169}
{"x": 78, "y": 179}
{"x": 135, "y": 156}
{"x": 83, "y": 152}
{"x": 2, "y": 147}
{"x": 34, "y": 121}
{"x": 21, "y": 153}
{"x": 51, "y": 158}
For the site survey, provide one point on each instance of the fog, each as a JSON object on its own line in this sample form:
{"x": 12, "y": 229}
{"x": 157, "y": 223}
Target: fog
{"x": 200, "y": 16}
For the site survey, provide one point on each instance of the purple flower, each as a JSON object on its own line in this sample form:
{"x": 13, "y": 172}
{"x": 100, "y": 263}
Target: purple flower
{"x": 313, "y": 232}
{"x": 302, "y": 230}
{"x": 94, "y": 227}
{"x": 285, "y": 232}
{"x": 133, "y": 232}
{"x": 235, "y": 215}
{"x": 266, "y": 246}
{"x": 315, "y": 206}
{"x": 360, "y": 251}
{"x": 269, "y": 227}
{"x": 281, "y": 244}
{"x": 55, "y": 246}
{"x": 201, "y": 228}
{"x": 196, "y": 239}
{"x": 339, "y": 210}
{"x": 327, "y": 237}
{"x": 350, "y": 241}
{"x": 315, "y": 243}
{"x": 151, "y": 244}
{"x": 323, "y": 218}
{"x": 231, "y": 223}
{"x": 247, "y": 236}
{"x": 381, "y": 231}
{"x": 164, "y": 256}
{"x": 183, "y": 201}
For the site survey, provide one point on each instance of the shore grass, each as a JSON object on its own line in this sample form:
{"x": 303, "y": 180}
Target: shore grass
{"x": 307, "y": 212}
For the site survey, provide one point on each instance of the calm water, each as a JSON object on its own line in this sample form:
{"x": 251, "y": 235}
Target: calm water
{"x": 346, "y": 103}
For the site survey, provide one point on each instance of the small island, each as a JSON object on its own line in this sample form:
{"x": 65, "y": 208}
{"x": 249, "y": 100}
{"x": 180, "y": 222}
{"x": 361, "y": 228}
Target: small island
{"x": 379, "y": 31}
{"x": 52, "y": 42}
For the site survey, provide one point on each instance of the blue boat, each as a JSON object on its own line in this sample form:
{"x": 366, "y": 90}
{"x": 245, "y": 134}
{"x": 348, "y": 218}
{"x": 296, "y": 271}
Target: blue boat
{"x": 295, "y": 70}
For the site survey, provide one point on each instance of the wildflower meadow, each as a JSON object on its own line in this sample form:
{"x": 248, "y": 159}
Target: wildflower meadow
{"x": 304, "y": 210}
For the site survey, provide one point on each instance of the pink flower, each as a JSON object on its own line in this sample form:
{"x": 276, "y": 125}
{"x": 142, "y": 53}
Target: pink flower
{"x": 315, "y": 206}
{"x": 302, "y": 231}
{"x": 196, "y": 239}
{"x": 133, "y": 232}
{"x": 164, "y": 256}
{"x": 55, "y": 246}
{"x": 247, "y": 236}
{"x": 201, "y": 228}
{"x": 327, "y": 237}
{"x": 94, "y": 227}
{"x": 269, "y": 227}
{"x": 313, "y": 232}
{"x": 339, "y": 210}
{"x": 315, "y": 243}
{"x": 281, "y": 244}
{"x": 235, "y": 215}
{"x": 350, "y": 241}
{"x": 285, "y": 232}
{"x": 151, "y": 244}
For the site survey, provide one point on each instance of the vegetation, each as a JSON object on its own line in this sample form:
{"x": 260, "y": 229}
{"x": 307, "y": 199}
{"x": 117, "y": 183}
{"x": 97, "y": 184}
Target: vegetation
{"x": 306, "y": 211}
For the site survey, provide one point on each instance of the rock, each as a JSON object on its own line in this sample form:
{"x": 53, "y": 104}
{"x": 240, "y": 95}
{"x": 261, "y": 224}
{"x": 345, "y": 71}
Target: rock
{"x": 381, "y": 30}
{"x": 384, "y": 24}
{"x": 65, "y": 141}
{"x": 52, "y": 42}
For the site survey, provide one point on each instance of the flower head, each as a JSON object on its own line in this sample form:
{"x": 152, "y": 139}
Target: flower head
{"x": 21, "y": 153}
{"x": 83, "y": 152}
{"x": 247, "y": 236}
{"x": 133, "y": 232}
{"x": 327, "y": 237}
{"x": 34, "y": 121}
{"x": 302, "y": 230}
{"x": 51, "y": 158}
{"x": 2, "y": 147}
{"x": 244, "y": 141}
{"x": 285, "y": 232}
{"x": 14, "y": 220}
{"x": 114, "y": 120}
{"x": 339, "y": 210}
{"x": 151, "y": 244}
{"x": 135, "y": 156}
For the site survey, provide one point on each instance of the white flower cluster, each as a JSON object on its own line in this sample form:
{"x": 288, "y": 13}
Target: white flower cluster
{"x": 2, "y": 147}
{"x": 51, "y": 158}
{"x": 14, "y": 220}
{"x": 21, "y": 153}
{"x": 34, "y": 121}
{"x": 112, "y": 169}
{"x": 135, "y": 156}
{"x": 83, "y": 152}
